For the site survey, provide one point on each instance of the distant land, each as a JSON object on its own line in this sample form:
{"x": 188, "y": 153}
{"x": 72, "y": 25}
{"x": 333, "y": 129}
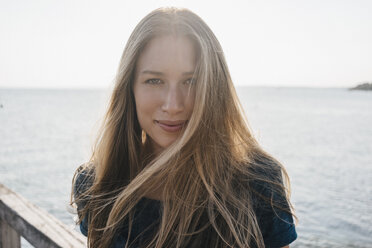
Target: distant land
{"x": 363, "y": 86}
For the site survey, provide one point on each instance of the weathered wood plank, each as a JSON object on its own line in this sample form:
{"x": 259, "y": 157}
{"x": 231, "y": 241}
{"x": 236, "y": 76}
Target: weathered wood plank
{"x": 9, "y": 238}
{"x": 37, "y": 226}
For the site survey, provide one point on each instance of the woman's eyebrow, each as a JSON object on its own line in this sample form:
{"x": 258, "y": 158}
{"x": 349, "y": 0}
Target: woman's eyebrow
{"x": 152, "y": 72}
{"x": 188, "y": 73}
{"x": 160, "y": 73}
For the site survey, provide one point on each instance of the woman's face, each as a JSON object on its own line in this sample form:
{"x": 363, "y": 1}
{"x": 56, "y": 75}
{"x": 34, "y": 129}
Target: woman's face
{"x": 163, "y": 88}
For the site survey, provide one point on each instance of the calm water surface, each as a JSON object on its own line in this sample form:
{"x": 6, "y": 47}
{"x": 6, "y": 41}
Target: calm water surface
{"x": 322, "y": 136}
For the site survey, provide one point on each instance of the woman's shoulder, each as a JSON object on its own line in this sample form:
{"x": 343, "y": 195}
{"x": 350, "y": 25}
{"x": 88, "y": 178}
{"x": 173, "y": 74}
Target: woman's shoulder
{"x": 83, "y": 179}
{"x": 271, "y": 204}
{"x": 266, "y": 184}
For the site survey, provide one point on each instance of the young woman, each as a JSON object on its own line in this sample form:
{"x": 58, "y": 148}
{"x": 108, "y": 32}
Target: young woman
{"x": 175, "y": 164}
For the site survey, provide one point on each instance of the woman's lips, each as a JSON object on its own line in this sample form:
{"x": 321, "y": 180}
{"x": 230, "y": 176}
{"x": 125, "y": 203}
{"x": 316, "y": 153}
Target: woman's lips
{"x": 171, "y": 126}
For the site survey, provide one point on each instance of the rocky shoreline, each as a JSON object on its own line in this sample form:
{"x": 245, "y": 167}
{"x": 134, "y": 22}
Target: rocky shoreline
{"x": 363, "y": 86}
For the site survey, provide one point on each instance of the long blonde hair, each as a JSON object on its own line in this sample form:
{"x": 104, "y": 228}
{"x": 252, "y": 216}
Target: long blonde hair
{"x": 207, "y": 174}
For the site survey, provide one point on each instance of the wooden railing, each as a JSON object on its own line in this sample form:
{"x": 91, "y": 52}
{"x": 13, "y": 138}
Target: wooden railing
{"x": 19, "y": 217}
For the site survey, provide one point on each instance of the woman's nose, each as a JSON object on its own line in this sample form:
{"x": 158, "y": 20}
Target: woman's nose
{"x": 173, "y": 100}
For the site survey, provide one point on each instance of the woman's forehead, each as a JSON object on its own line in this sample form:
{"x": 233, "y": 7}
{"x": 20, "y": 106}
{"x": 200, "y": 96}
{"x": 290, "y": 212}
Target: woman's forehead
{"x": 168, "y": 52}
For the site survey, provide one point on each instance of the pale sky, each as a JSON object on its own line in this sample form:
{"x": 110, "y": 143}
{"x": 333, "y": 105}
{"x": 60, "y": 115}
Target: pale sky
{"x": 78, "y": 44}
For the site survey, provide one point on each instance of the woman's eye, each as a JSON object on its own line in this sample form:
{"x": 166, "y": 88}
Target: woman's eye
{"x": 153, "y": 81}
{"x": 190, "y": 81}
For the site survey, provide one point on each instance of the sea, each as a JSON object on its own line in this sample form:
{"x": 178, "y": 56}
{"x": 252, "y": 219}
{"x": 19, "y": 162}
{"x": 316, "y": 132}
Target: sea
{"x": 323, "y": 136}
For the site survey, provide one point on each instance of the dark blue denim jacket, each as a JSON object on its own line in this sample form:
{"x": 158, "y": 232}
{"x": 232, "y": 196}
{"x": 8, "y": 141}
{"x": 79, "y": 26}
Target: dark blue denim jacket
{"x": 277, "y": 229}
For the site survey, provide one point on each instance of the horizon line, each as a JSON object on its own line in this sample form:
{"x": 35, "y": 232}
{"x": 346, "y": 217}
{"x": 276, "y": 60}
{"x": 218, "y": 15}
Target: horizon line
{"x": 108, "y": 88}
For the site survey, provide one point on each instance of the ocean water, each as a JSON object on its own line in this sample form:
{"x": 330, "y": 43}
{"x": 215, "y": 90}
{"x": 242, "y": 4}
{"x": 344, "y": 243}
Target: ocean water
{"x": 322, "y": 136}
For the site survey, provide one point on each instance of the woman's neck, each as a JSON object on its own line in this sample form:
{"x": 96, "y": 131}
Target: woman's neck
{"x": 149, "y": 153}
